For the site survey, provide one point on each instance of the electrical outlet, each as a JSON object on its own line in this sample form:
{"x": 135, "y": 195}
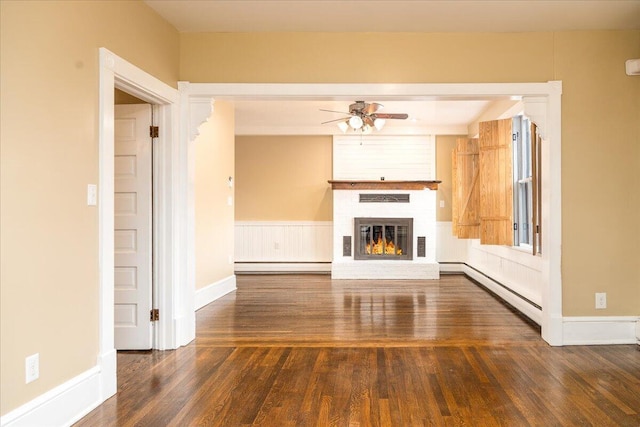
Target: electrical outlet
{"x": 32, "y": 368}
{"x": 601, "y": 300}
{"x": 276, "y": 245}
{"x": 442, "y": 203}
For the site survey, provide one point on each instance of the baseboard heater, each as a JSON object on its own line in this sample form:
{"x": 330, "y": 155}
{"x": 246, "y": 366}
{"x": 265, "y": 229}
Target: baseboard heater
{"x": 523, "y": 298}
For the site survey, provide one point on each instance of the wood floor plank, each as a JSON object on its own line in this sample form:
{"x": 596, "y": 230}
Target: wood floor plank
{"x": 309, "y": 351}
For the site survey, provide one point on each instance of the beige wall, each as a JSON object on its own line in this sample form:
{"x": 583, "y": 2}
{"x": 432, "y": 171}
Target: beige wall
{"x": 49, "y": 153}
{"x": 214, "y": 241}
{"x": 601, "y": 171}
{"x": 381, "y": 57}
{"x": 444, "y": 146}
{"x": 283, "y": 178}
{"x": 49, "y": 134}
{"x": 121, "y": 97}
{"x": 600, "y": 119}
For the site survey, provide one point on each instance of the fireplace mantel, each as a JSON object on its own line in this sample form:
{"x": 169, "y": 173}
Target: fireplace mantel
{"x": 383, "y": 185}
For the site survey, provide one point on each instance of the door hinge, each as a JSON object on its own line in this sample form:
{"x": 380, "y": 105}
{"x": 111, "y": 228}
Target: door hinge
{"x": 154, "y": 131}
{"x": 155, "y": 315}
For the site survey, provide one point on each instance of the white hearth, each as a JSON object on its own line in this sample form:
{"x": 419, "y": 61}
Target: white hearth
{"x": 347, "y": 205}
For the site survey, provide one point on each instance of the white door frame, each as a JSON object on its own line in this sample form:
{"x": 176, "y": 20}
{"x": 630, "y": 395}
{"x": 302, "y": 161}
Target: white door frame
{"x": 541, "y": 101}
{"x": 171, "y": 287}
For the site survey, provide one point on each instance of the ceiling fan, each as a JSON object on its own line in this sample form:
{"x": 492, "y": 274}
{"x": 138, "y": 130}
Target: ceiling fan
{"x": 363, "y": 116}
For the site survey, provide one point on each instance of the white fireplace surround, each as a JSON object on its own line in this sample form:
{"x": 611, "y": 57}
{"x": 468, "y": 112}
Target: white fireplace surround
{"x": 421, "y": 207}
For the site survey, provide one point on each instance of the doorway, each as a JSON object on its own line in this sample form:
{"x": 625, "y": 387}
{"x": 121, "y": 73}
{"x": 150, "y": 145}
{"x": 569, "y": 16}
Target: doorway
{"x": 170, "y": 283}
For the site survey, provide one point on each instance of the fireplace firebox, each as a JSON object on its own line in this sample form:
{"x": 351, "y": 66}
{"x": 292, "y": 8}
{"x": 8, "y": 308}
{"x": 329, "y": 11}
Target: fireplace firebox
{"x": 383, "y": 238}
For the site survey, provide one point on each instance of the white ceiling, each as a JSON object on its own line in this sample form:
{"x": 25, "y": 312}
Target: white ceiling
{"x": 255, "y": 117}
{"x": 304, "y": 117}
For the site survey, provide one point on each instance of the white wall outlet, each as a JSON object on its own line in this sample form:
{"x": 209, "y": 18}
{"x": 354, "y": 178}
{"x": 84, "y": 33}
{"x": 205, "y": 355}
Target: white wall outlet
{"x": 230, "y": 259}
{"x": 32, "y": 368}
{"x": 276, "y": 245}
{"x": 230, "y": 201}
{"x": 601, "y": 300}
{"x": 442, "y": 203}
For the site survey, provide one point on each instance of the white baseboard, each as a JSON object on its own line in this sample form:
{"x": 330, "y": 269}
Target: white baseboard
{"x": 283, "y": 267}
{"x": 600, "y": 330}
{"x": 108, "y": 363}
{"x": 61, "y": 406}
{"x": 451, "y": 267}
{"x": 216, "y": 290}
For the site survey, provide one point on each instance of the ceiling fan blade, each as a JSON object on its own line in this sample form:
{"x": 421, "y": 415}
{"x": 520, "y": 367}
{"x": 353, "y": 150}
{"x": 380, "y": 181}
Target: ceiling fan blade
{"x": 371, "y": 108}
{"x": 336, "y": 120}
{"x": 332, "y": 111}
{"x": 368, "y": 120}
{"x": 400, "y": 116}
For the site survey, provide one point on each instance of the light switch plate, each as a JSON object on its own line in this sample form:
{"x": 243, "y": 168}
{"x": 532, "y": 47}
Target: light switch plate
{"x": 92, "y": 194}
{"x": 32, "y": 368}
{"x": 601, "y": 300}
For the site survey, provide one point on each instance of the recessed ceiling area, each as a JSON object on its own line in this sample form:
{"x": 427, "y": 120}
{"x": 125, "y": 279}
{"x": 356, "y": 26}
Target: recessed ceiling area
{"x": 291, "y": 117}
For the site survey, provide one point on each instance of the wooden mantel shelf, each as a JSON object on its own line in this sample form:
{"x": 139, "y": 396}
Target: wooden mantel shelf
{"x": 384, "y": 185}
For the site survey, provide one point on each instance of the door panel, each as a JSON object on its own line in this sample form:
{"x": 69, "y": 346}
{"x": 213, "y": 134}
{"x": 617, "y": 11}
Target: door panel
{"x": 132, "y": 234}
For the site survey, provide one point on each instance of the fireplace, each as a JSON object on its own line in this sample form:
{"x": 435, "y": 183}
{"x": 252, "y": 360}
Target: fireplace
{"x": 384, "y": 230}
{"x": 383, "y": 238}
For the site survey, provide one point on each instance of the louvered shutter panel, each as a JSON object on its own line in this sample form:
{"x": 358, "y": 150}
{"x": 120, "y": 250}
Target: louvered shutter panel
{"x": 467, "y": 189}
{"x": 496, "y": 182}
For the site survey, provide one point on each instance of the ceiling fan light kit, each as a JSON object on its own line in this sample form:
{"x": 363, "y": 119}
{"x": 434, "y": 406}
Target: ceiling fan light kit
{"x": 363, "y": 117}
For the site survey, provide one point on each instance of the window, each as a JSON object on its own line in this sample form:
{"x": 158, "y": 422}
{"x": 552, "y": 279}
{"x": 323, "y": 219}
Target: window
{"x": 526, "y": 185}
{"x": 496, "y": 185}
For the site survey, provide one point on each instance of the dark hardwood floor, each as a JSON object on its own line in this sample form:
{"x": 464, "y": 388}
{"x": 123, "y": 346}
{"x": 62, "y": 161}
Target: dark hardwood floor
{"x": 309, "y": 351}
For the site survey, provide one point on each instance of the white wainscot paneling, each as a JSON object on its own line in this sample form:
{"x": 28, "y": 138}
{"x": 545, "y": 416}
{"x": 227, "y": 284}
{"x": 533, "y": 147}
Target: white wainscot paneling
{"x": 517, "y": 270}
{"x": 284, "y": 242}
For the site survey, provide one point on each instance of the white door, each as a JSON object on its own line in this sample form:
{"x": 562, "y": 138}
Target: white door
{"x": 132, "y": 239}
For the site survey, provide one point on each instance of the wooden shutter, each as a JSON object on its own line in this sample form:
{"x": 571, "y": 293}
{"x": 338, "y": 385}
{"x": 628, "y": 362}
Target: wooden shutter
{"x": 454, "y": 192}
{"x": 496, "y": 182}
{"x": 466, "y": 189}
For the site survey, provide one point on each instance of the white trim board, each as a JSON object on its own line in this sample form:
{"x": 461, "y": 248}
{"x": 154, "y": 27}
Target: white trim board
{"x": 61, "y": 406}
{"x": 283, "y": 267}
{"x": 600, "y": 330}
{"x": 214, "y": 291}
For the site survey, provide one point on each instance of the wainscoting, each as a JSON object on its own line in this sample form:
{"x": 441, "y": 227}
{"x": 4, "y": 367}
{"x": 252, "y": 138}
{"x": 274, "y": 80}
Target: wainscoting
{"x": 283, "y": 246}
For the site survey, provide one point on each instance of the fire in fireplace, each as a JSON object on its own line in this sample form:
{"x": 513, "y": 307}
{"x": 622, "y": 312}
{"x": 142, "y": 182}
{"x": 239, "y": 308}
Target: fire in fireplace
{"x": 383, "y": 238}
